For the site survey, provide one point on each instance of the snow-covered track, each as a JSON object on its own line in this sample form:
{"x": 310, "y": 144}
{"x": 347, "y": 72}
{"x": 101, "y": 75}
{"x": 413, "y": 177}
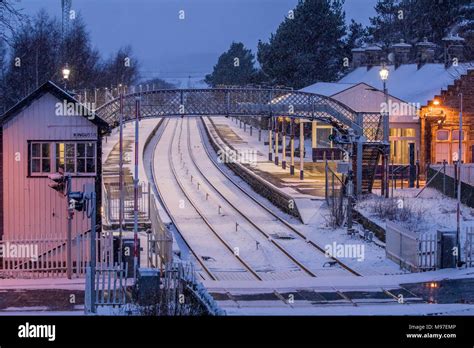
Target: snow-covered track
{"x": 237, "y": 210}
{"x": 239, "y": 270}
{"x": 318, "y": 248}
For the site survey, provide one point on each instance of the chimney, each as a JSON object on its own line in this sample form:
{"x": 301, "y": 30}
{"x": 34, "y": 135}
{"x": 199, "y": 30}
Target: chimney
{"x": 359, "y": 57}
{"x": 425, "y": 52}
{"x": 374, "y": 55}
{"x": 453, "y": 49}
{"x": 400, "y": 53}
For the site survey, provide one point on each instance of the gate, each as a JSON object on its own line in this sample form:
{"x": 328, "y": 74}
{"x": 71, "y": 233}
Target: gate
{"x": 112, "y": 203}
{"x": 411, "y": 252}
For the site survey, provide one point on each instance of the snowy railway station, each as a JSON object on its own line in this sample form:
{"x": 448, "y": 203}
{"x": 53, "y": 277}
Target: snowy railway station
{"x": 219, "y": 197}
{"x": 348, "y": 197}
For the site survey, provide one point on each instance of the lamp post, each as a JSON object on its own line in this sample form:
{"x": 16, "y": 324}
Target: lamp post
{"x": 66, "y": 72}
{"x": 458, "y": 210}
{"x": 384, "y": 77}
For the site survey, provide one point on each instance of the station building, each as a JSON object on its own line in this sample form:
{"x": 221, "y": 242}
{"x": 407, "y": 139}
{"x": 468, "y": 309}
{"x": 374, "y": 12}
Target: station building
{"x": 46, "y": 132}
{"x": 424, "y": 87}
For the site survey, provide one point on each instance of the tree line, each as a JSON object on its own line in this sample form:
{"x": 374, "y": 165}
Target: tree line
{"x": 34, "y": 50}
{"x": 314, "y": 43}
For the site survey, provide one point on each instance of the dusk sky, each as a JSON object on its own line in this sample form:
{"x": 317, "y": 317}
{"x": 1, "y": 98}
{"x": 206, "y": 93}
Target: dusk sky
{"x": 168, "y": 47}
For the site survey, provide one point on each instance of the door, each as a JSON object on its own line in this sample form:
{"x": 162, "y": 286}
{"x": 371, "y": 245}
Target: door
{"x": 442, "y": 153}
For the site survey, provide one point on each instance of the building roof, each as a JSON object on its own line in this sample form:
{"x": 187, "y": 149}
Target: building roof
{"x": 361, "y": 97}
{"x": 409, "y": 83}
{"x": 328, "y": 88}
{"x": 50, "y": 87}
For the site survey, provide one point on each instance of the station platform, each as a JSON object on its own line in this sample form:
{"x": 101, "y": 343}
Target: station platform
{"x": 308, "y": 193}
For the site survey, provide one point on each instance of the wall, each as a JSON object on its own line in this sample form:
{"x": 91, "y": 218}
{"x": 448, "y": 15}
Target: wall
{"x": 31, "y": 208}
{"x": 448, "y": 113}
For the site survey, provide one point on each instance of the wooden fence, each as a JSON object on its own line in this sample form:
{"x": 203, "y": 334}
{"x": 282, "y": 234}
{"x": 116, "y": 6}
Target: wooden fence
{"x": 46, "y": 258}
{"x": 416, "y": 253}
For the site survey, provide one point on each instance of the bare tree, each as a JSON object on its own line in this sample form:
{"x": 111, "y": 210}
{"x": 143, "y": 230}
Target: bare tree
{"x": 10, "y": 16}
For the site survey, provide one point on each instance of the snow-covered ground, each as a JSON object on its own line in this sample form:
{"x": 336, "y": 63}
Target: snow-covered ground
{"x": 370, "y": 258}
{"x": 429, "y": 212}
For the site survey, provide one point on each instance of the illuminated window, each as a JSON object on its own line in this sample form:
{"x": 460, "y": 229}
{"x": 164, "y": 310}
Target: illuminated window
{"x": 40, "y": 158}
{"x": 402, "y": 132}
{"x": 78, "y": 158}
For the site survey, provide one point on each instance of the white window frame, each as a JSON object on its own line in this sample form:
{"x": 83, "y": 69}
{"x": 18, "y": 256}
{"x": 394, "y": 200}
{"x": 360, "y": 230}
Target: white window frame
{"x": 75, "y": 172}
{"x": 40, "y": 158}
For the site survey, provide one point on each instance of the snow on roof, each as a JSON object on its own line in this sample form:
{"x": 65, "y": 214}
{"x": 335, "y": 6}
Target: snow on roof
{"x": 409, "y": 83}
{"x": 327, "y": 88}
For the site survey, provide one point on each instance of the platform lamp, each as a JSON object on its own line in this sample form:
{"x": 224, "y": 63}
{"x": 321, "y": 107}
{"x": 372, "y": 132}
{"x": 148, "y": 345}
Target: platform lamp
{"x": 384, "y": 72}
{"x": 66, "y": 72}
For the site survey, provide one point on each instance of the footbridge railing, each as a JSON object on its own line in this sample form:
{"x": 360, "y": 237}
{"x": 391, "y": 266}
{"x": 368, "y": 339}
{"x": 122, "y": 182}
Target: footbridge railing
{"x": 244, "y": 102}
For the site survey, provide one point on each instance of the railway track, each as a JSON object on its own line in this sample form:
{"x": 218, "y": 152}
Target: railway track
{"x": 245, "y": 271}
{"x": 217, "y": 226}
{"x": 278, "y": 218}
{"x": 238, "y": 212}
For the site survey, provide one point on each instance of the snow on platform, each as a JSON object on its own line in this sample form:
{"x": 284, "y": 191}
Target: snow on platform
{"x": 306, "y": 193}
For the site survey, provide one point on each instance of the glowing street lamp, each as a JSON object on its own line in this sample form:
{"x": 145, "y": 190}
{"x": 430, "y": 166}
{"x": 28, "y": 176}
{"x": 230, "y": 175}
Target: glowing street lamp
{"x": 384, "y": 72}
{"x": 66, "y": 72}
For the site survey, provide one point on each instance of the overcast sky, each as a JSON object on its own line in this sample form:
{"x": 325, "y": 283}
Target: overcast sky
{"x": 170, "y": 47}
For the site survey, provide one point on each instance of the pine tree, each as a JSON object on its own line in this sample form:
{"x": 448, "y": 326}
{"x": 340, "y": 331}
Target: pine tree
{"x": 413, "y": 20}
{"x": 308, "y": 45}
{"x": 388, "y": 26}
{"x": 357, "y": 36}
{"x": 235, "y": 67}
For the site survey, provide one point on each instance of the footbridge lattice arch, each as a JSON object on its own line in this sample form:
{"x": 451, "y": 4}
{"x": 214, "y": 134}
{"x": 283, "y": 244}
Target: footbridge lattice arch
{"x": 372, "y": 128}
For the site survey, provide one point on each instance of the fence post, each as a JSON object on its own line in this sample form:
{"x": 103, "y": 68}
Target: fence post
{"x": 326, "y": 179}
{"x": 455, "y": 178}
{"x": 444, "y": 177}
{"x": 93, "y": 250}
{"x": 417, "y": 173}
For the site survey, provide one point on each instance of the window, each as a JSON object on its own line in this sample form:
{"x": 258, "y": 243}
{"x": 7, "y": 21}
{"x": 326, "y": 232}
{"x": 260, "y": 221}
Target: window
{"x": 442, "y": 135}
{"x": 86, "y": 158}
{"x": 455, "y": 135}
{"x": 66, "y": 157}
{"x": 322, "y": 138}
{"x": 79, "y": 158}
{"x": 402, "y": 132}
{"x": 40, "y": 158}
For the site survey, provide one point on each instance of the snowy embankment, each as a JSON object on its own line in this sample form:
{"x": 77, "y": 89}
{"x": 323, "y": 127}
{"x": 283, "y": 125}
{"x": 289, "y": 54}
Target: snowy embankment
{"x": 430, "y": 212}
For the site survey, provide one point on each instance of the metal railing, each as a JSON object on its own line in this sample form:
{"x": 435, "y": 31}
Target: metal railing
{"x": 160, "y": 240}
{"x": 335, "y": 196}
{"x": 110, "y": 287}
{"x": 112, "y": 202}
{"x": 245, "y": 102}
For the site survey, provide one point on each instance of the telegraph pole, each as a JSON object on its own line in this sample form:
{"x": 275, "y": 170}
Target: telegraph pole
{"x": 93, "y": 202}
{"x": 135, "y": 208}
{"x": 121, "y": 198}
{"x": 70, "y": 213}
{"x": 458, "y": 210}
